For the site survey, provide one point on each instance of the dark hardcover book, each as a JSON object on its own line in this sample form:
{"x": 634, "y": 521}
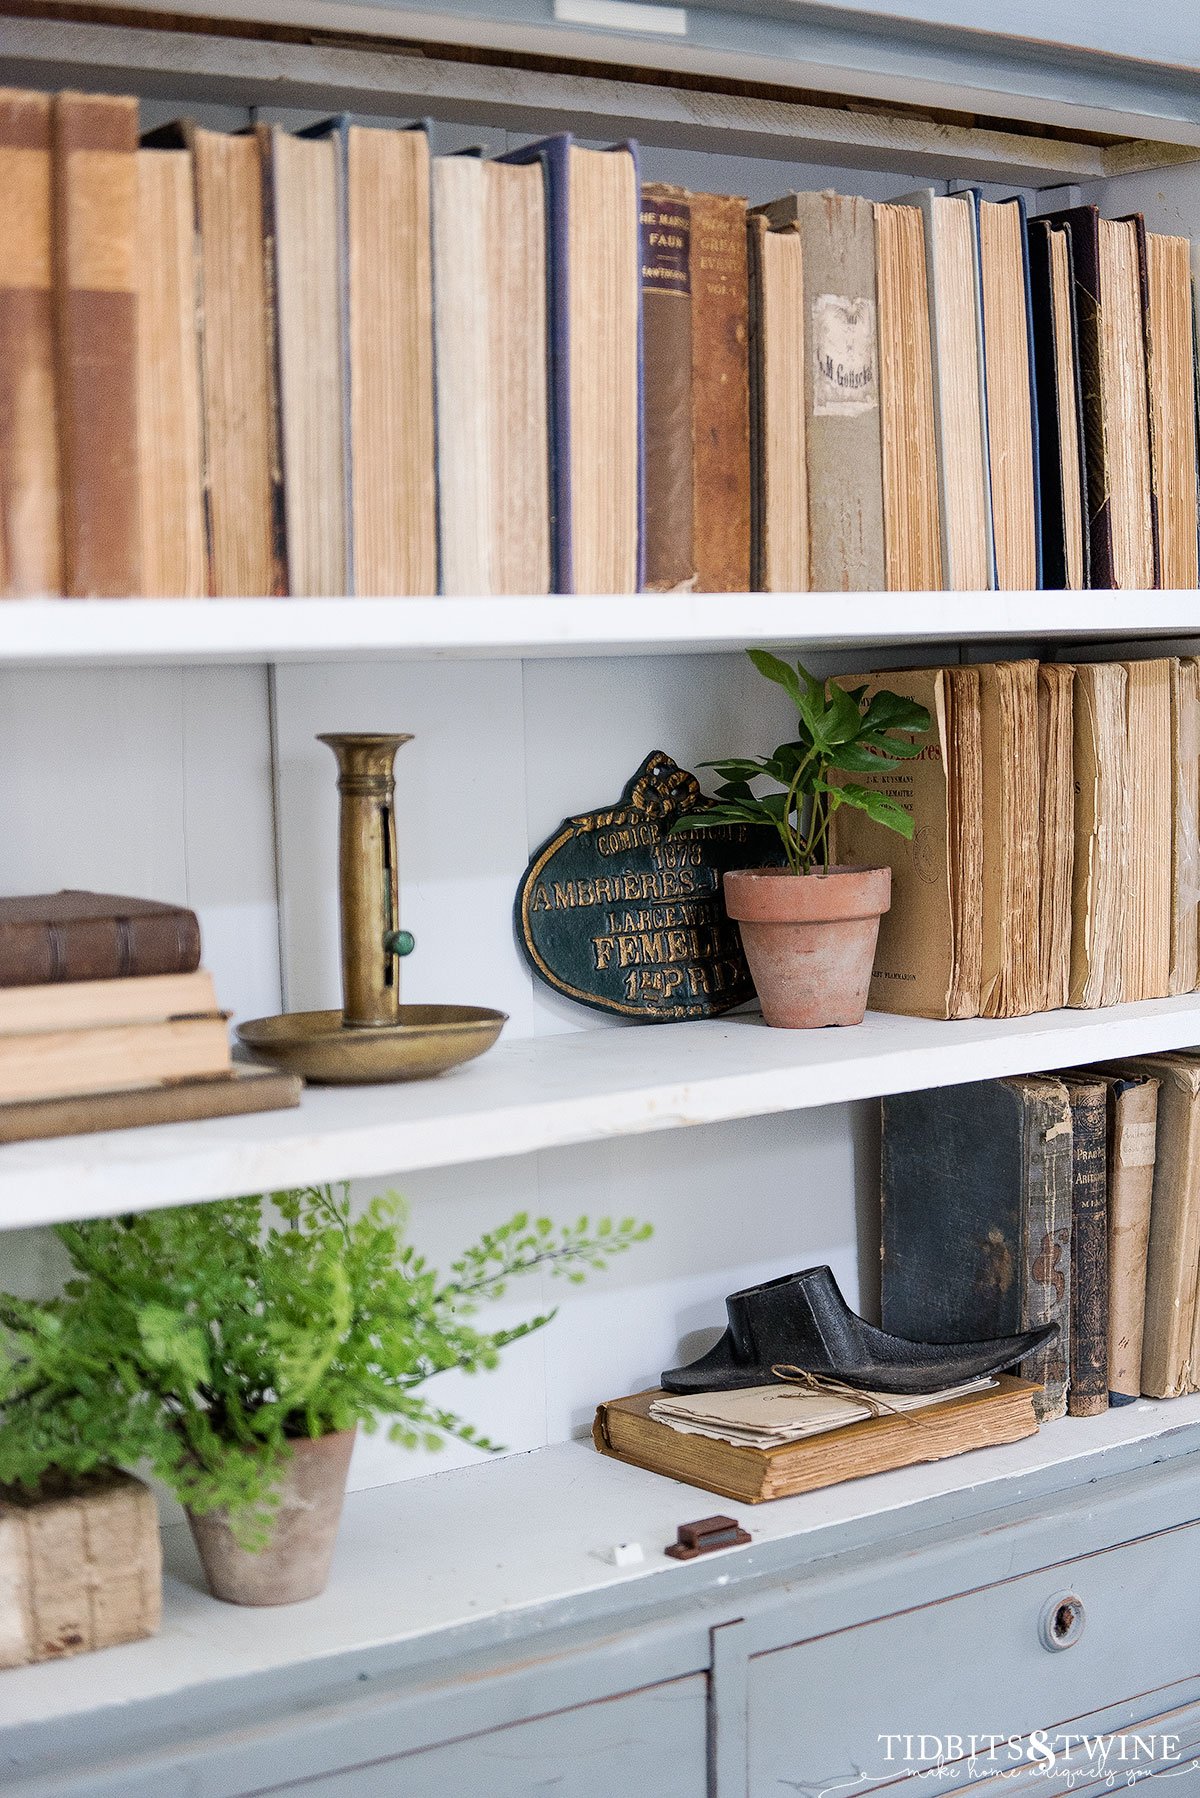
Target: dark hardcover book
{"x": 976, "y": 1219}
{"x": 1050, "y": 434}
{"x": 1088, "y": 1393}
{"x": 95, "y": 236}
{"x": 48, "y": 937}
{"x": 666, "y": 223}
{"x": 586, "y": 558}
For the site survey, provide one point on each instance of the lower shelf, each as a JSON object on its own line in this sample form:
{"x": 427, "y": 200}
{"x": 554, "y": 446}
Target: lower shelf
{"x": 544, "y": 1092}
{"x": 501, "y": 1552}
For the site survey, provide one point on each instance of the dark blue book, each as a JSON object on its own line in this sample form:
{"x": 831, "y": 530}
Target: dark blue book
{"x": 594, "y": 307}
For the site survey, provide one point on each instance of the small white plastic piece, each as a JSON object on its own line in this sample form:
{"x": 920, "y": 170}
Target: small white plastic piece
{"x": 624, "y": 1554}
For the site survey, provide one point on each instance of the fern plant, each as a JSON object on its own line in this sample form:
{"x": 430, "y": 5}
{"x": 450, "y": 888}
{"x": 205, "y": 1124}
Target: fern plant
{"x": 204, "y": 1340}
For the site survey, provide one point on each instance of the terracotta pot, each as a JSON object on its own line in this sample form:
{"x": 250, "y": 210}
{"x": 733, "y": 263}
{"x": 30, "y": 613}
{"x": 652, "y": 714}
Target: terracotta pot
{"x": 810, "y": 940}
{"x": 295, "y": 1562}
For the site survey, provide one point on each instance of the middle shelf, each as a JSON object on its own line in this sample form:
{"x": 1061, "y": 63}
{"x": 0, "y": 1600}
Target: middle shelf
{"x": 550, "y": 1091}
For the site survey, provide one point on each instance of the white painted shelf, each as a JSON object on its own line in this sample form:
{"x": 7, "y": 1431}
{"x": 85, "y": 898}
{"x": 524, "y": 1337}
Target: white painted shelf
{"x": 82, "y": 633}
{"x": 544, "y": 1092}
{"x": 494, "y": 1550}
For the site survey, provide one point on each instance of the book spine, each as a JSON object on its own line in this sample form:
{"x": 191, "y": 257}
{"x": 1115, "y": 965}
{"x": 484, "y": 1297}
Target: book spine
{"x": 114, "y": 948}
{"x": 1132, "y": 1134}
{"x": 95, "y": 231}
{"x": 1089, "y": 1250}
{"x": 666, "y": 234}
{"x": 720, "y": 394}
{"x": 1082, "y": 224}
{"x": 30, "y": 531}
{"x": 1046, "y": 1275}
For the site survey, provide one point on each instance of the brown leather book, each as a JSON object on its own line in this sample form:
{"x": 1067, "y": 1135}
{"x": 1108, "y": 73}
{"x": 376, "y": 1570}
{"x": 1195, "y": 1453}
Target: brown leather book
{"x": 240, "y": 1091}
{"x": 1088, "y": 1392}
{"x": 95, "y": 239}
{"x": 30, "y": 534}
{"x": 47, "y": 937}
{"x": 624, "y": 1429}
{"x": 720, "y": 394}
{"x": 666, "y": 223}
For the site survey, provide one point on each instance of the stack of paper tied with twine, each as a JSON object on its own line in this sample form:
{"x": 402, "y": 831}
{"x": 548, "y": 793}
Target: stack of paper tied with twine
{"x": 774, "y": 1441}
{"x": 769, "y": 1416}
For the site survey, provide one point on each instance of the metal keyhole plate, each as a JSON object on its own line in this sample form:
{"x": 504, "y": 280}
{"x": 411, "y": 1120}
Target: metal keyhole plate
{"x": 1061, "y": 1622}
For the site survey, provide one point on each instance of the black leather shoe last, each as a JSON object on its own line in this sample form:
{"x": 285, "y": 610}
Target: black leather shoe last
{"x": 803, "y": 1320}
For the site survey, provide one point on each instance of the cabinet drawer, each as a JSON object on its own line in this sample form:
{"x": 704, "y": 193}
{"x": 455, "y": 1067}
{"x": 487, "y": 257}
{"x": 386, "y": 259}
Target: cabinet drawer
{"x": 820, "y": 1712}
{"x": 652, "y": 1741}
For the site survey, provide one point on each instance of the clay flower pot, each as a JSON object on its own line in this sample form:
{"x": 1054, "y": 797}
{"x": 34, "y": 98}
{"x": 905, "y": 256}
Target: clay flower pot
{"x": 810, "y": 940}
{"x": 295, "y": 1562}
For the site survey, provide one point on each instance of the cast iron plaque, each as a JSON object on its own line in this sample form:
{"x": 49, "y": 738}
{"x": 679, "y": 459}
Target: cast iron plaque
{"x": 616, "y": 913}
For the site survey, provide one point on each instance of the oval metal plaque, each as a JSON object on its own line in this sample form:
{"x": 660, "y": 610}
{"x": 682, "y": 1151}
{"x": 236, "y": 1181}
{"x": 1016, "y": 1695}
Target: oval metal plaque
{"x": 617, "y": 914}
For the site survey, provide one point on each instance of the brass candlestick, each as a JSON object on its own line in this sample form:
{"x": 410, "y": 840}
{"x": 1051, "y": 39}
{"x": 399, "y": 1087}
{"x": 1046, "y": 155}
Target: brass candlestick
{"x": 373, "y": 1037}
{"x": 368, "y": 882}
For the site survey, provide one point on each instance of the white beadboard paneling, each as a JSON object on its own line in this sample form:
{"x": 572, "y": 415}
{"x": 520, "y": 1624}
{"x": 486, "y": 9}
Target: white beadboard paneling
{"x": 228, "y": 833}
{"x": 460, "y": 825}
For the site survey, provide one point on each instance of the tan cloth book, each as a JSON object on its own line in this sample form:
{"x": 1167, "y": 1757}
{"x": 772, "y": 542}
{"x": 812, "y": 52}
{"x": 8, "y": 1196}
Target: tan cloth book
{"x": 30, "y": 528}
{"x": 391, "y": 362}
{"x": 842, "y": 419}
{"x": 1172, "y": 405}
{"x": 779, "y": 491}
{"x": 54, "y": 1064}
{"x": 624, "y": 1429}
{"x": 1132, "y": 1103}
{"x": 1173, "y": 1255}
{"x": 1009, "y": 396}
{"x": 95, "y": 213}
{"x": 1147, "y": 832}
{"x": 1184, "y": 974}
{"x": 929, "y": 953}
{"x": 170, "y": 427}
{"x": 1101, "y": 821}
{"x": 241, "y": 1090}
{"x": 1011, "y": 984}
{"x": 911, "y": 528}
{"x": 1057, "y": 834}
{"x": 86, "y": 1004}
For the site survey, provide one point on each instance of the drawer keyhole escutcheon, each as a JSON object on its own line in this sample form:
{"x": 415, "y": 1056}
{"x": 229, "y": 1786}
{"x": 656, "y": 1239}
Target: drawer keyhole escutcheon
{"x": 1061, "y": 1622}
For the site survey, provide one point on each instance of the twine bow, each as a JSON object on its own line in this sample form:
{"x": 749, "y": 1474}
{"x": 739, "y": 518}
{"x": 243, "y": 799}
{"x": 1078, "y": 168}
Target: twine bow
{"x": 834, "y": 1388}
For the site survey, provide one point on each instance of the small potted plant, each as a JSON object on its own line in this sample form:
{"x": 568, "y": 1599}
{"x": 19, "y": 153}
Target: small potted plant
{"x": 809, "y": 929}
{"x": 248, "y": 1340}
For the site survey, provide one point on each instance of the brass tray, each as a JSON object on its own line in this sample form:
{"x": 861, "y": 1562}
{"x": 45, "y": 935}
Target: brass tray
{"x": 428, "y": 1040}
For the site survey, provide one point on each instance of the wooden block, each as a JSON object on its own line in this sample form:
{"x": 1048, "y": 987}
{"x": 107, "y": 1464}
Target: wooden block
{"x": 78, "y": 1571}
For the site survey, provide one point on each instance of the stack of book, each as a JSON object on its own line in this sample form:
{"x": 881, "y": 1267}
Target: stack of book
{"x": 325, "y": 362}
{"x": 1071, "y": 1198}
{"x": 1055, "y": 845}
{"x": 107, "y": 1021}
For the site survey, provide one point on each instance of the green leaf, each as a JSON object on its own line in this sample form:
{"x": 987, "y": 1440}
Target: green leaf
{"x": 879, "y": 807}
{"x": 891, "y": 711}
{"x": 779, "y": 672}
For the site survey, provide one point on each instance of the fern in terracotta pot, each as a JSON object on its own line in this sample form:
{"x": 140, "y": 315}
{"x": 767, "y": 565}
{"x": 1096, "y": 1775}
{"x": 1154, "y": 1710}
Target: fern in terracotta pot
{"x": 809, "y": 929}
{"x": 238, "y": 1347}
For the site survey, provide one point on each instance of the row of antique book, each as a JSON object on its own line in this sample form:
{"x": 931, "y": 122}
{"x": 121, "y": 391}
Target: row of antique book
{"x": 325, "y": 362}
{"x": 1055, "y": 857}
{"x": 108, "y": 1021}
{"x": 1069, "y": 1198}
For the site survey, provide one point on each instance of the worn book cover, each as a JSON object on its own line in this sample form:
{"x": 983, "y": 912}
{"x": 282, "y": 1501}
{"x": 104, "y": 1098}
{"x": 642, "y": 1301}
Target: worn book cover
{"x": 779, "y": 468}
{"x": 844, "y": 442}
{"x": 1011, "y": 984}
{"x": 624, "y": 1429}
{"x": 1170, "y": 352}
{"x": 1089, "y": 1382}
{"x": 462, "y": 353}
{"x": 1173, "y": 1255}
{"x": 666, "y": 242}
{"x": 1147, "y": 831}
{"x": 95, "y": 239}
{"x": 912, "y": 533}
{"x": 30, "y": 534}
{"x": 976, "y": 1218}
{"x": 393, "y": 493}
{"x": 595, "y": 359}
{"x": 1132, "y": 1112}
{"x": 1184, "y": 973}
{"x": 720, "y": 393}
{"x": 1101, "y": 822}
{"x": 1056, "y": 682}
{"x": 959, "y": 390}
{"x": 232, "y": 1094}
{"x": 71, "y": 935}
{"x": 1011, "y": 397}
